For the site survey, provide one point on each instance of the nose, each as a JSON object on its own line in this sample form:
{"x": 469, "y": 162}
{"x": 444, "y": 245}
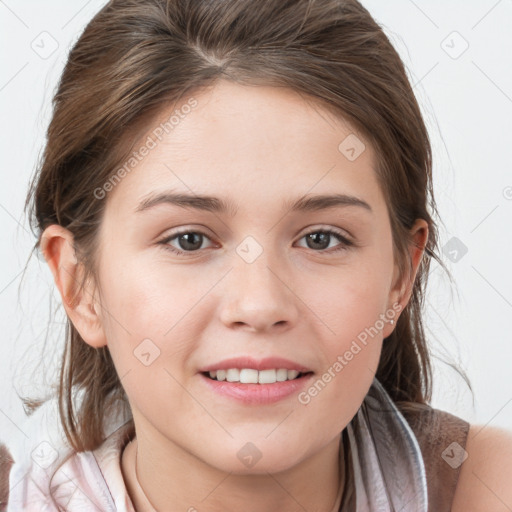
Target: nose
{"x": 259, "y": 297}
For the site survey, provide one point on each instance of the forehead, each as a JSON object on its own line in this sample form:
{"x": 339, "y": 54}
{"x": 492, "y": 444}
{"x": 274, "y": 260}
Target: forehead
{"x": 250, "y": 143}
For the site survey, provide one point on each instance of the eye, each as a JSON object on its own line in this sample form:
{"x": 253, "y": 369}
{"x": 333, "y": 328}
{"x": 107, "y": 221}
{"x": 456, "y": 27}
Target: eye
{"x": 192, "y": 241}
{"x": 321, "y": 238}
{"x": 189, "y": 241}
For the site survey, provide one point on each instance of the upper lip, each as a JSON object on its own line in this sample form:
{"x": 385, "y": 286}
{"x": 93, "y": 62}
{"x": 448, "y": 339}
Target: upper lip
{"x": 267, "y": 363}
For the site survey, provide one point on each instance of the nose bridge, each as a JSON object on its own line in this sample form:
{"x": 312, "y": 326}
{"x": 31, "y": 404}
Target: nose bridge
{"x": 258, "y": 294}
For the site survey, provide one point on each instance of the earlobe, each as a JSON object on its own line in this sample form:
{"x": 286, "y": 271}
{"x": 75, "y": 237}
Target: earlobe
{"x": 82, "y": 308}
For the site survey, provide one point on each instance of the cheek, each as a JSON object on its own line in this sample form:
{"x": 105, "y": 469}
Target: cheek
{"x": 353, "y": 316}
{"x": 136, "y": 297}
{"x": 350, "y": 302}
{"x": 147, "y": 316}
{"x": 142, "y": 317}
{"x": 352, "y": 359}
{"x": 132, "y": 315}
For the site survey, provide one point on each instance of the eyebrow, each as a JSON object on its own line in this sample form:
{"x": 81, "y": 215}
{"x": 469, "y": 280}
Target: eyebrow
{"x": 219, "y": 205}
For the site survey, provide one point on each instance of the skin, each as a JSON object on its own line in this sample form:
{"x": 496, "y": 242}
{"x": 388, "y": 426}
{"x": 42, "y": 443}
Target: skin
{"x": 257, "y": 147}
{"x": 484, "y": 478}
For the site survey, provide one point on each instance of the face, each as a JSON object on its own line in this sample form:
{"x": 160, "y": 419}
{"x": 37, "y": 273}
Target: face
{"x": 188, "y": 287}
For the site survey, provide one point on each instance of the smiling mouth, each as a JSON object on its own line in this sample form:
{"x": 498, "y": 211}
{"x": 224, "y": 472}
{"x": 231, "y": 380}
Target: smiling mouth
{"x": 252, "y": 376}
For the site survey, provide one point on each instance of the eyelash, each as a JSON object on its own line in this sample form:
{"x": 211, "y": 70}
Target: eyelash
{"x": 345, "y": 243}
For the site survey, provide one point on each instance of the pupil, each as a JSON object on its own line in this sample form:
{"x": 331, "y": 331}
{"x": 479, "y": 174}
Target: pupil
{"x": 315, "y": 236}
{"x": 191, "y": 245}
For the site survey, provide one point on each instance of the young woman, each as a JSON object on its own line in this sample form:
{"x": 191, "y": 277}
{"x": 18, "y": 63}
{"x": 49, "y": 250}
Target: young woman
{"x": 236, "y": 204}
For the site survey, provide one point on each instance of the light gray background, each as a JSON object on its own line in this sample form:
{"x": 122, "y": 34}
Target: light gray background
{"x": 466, "y": 97}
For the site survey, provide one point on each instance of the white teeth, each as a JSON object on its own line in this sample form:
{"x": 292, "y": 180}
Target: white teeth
{"x": 251, "y": 376}
{"x": 282, "y": 375}
{"x": 233, "y": 375}
{"x": 248, "y": 376}
{"x": 267, "y": 377}
{"x": 292, "y": 374}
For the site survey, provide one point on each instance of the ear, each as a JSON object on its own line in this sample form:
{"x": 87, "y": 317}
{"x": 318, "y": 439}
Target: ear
{"x": 401, "y": 292}
{"x": 57, "y": 246}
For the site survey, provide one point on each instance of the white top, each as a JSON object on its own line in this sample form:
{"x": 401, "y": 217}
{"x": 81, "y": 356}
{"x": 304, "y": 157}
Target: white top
{"x": 389, "y": 473}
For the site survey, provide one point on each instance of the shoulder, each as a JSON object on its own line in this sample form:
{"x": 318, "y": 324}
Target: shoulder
{"x": 485, "y": 475}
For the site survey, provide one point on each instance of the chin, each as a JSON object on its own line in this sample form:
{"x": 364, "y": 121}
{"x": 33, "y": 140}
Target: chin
{"x": 256, "y": 458}
{"x": 262, "y": 467}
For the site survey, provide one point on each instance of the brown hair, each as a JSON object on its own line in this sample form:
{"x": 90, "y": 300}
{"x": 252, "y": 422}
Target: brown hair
{"x": 137, "y": 55}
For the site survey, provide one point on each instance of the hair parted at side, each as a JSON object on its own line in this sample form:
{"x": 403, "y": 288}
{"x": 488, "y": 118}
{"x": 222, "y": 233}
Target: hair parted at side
{"x": 136, "y": 56}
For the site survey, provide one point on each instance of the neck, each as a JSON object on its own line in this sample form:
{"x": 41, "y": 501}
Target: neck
{"x": 153, "y": 482}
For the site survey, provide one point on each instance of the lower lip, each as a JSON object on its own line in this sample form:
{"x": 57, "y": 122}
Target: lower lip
{"x": 258, "y": 393}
